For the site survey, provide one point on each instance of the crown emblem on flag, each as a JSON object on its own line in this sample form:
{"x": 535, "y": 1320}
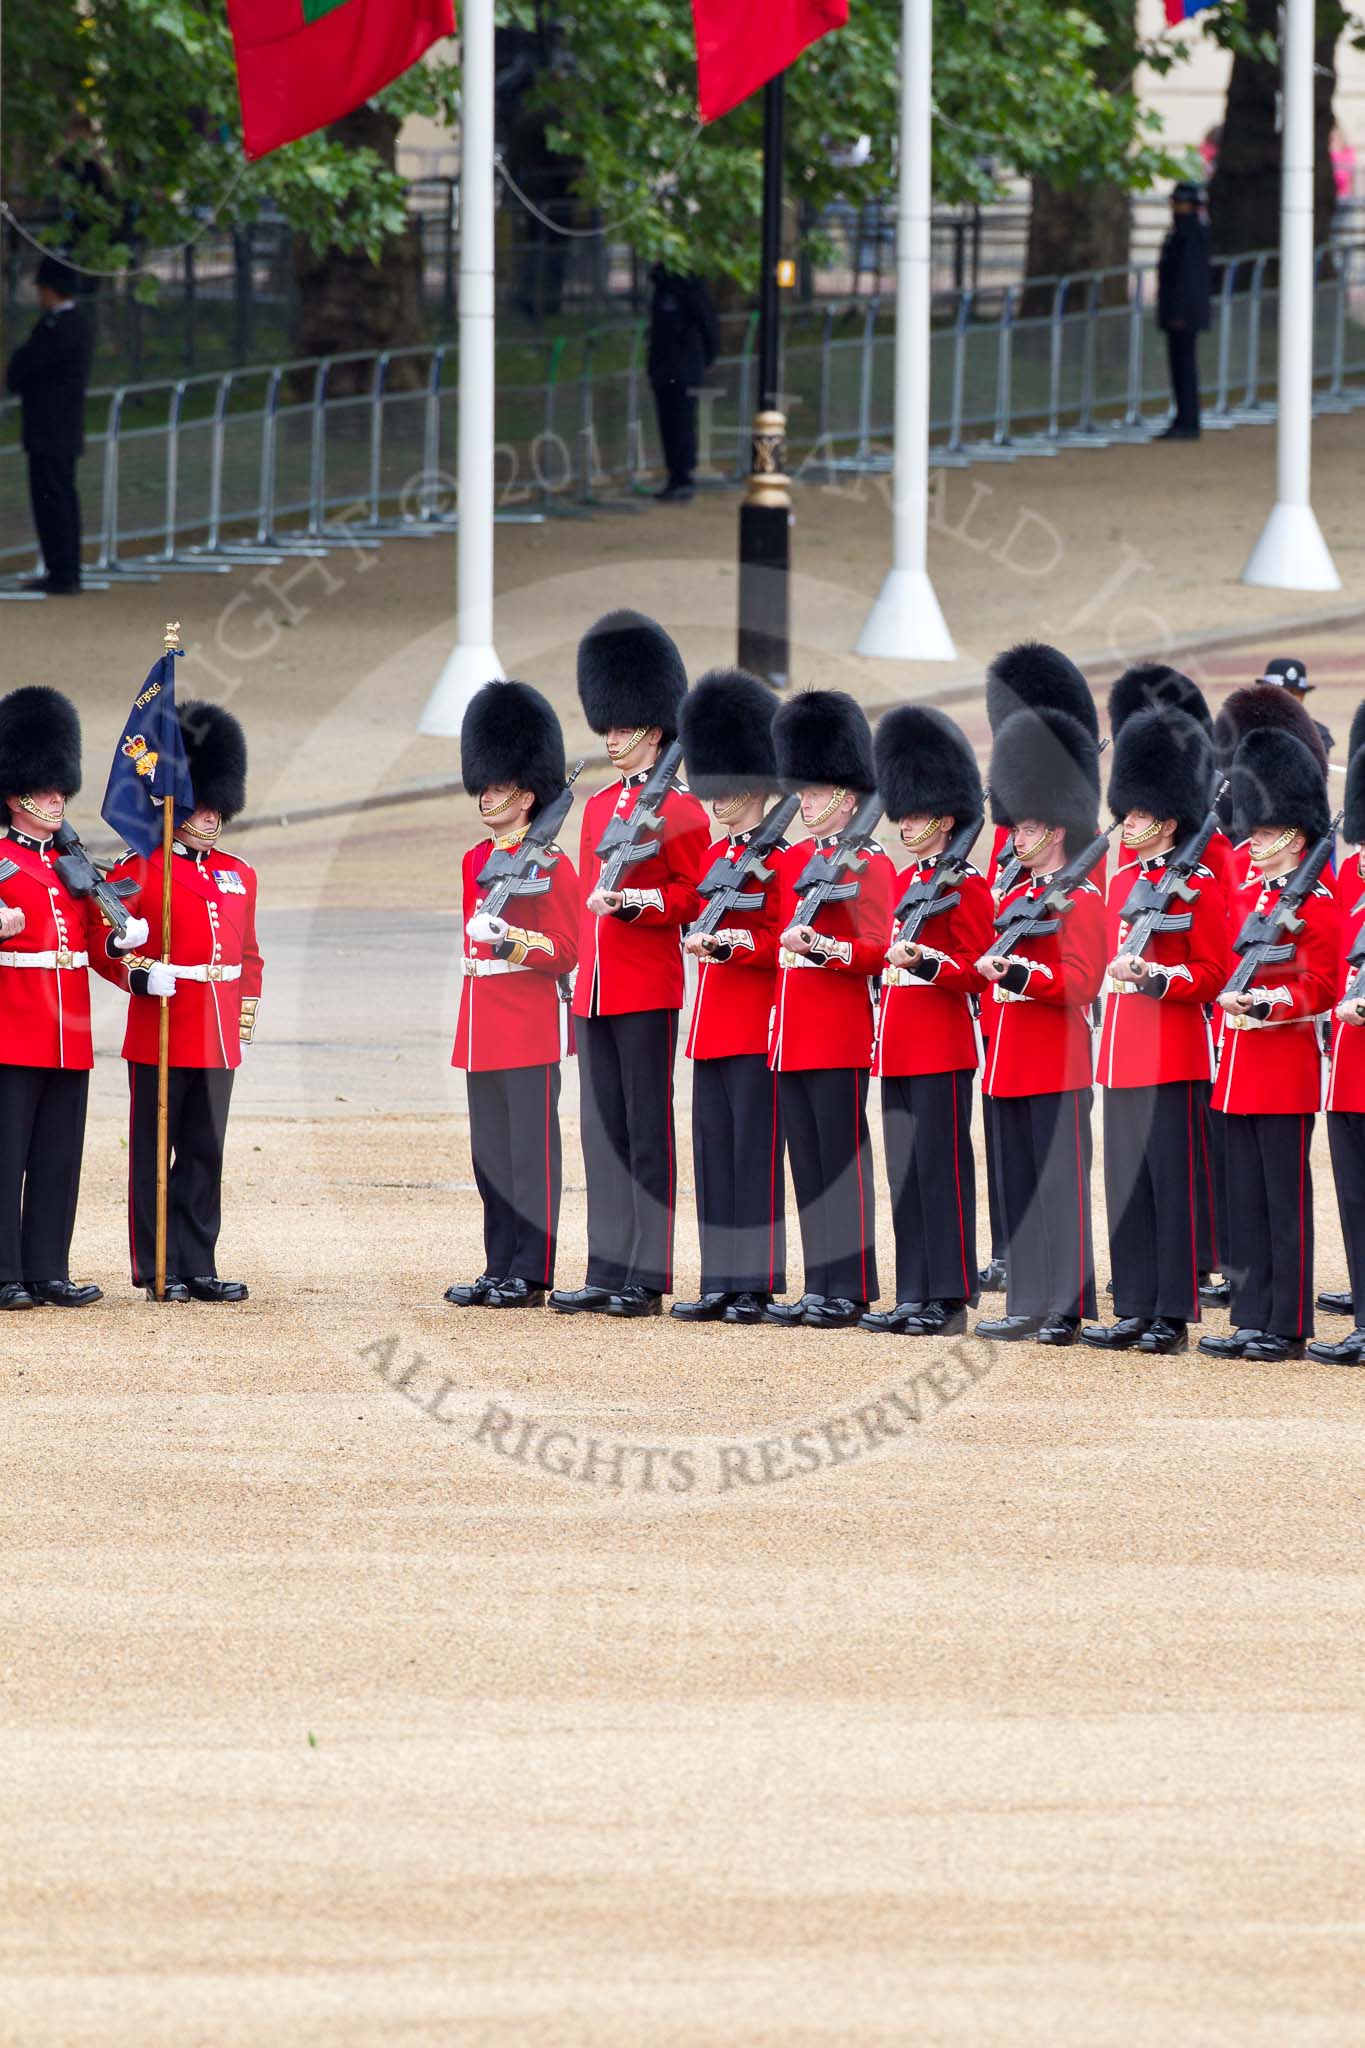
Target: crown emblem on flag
{"x": 139, "y": 753}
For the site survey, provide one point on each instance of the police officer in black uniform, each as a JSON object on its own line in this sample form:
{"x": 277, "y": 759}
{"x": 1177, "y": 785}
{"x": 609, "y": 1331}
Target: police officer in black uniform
{"x": 48, "y": 374}
{"x": 1183, "y": 290}
{"x": 683, "y": 341}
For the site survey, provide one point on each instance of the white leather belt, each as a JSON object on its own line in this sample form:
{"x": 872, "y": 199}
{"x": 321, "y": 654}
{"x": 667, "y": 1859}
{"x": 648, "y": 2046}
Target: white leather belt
{"x": 206, "y": 971}
{"x": 48, "y": 960}
{"x": 479, "y": 968}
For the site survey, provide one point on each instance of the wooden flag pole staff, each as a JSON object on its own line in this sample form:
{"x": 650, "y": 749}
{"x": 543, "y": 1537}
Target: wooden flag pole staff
{"x": 163, "y": 1064}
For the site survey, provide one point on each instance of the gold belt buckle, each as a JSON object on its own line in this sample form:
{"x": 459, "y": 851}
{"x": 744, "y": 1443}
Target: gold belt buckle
{"x": 214, "y": 973}
{"x": 64, "y": 957}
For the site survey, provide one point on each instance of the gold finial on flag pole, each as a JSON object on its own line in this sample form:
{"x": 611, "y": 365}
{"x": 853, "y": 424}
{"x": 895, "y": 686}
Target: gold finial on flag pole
{"x": 172, "y": 636}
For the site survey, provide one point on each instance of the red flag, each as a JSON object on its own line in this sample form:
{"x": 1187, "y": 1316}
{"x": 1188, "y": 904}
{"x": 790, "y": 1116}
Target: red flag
{"x": 303, "y": 63}
{"x": 741, "y": 44}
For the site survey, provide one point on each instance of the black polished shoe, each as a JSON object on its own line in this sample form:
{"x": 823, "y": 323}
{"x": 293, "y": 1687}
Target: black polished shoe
{"x": 1268, "y": 1349}
{"x": 635, "y": 1301}
{"x": 746, "y": 1308}
{"x": 1215, "y": 1293}
{"x": 991, "y": 1279}
{"x": 1337, "y": 1305}
{"x": 1008, "y": 1329}
{"x": 1119, "y": 1336}
{"x": 176, "y": 1290}
{"x": 515, "y": 1294}
{"x": 1165, "y": 1337}
{"x": 1229, "y": 1347}
{"x": 14, "y": 1294}
{"x": 1060, "y": 1330}
{"x": 891, "y": 1321}
{"x": 790, "y": 1312}
{"x": 63, "y": 1294}
{"x": 578, "y": 1301}
{"x": 471, "y": 1293}
{"x": 1349, "y": 1351}
{"x": 207, "y": 1287}
{"x": 837, "y": 1312}
{"x": 938, "y": 1319}
{"x": 707, "y": 1308}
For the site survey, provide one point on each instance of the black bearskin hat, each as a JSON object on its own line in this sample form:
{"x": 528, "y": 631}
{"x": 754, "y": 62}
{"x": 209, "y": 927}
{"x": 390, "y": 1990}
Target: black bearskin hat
{"x": 1258, "y": 709}
{"x": 630, "y": 674}
{"x": 1163, "y": 763}
{"x": 1277, "y": 781}
{"x": 215, "y": 749}
{"x": 822, "y": 736}
{"x": 40, "y": 743}
{"x": 1045, "y": 765}
{"x": 726, "y": 728}
{"x": 1152, "y": 686}
{"x": 1353, "y": 824}
{"x": 512, "y": 734}
{"x": 1036, "y": 677}
{"x": 925, "y": 764}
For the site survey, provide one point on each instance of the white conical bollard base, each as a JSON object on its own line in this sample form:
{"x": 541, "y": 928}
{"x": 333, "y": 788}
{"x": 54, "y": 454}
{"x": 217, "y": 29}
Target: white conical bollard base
{"x": 905, "y": 623}
{"x": 1291, "y": 553}
{"x": 466, "y": 672}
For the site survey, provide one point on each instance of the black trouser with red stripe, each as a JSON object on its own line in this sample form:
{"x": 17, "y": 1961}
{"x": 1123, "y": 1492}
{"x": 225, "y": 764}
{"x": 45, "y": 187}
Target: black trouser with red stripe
{"x": 625, "y": 1078}
{"x": 1210, "y": 1185}
{"x": 740, "y": 1175}
{"x": 927, "y": 1128}
{"x": 1042, "y": 1163}
{"x": 1152, "y": 1157}
{"x": 824, "y": 1116}
{"x": 42, "y": 1134}
{"x": 197, "y": 1105}
{"x": 1270, "y": 1223}
{"x": 995, "y": 1208}
{"x": 514, "y": 1137}
{"x": 1346, "y": 1136}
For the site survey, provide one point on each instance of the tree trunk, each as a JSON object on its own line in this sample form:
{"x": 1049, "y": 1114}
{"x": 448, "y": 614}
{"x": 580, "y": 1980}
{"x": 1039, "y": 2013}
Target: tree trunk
{"x": 346, "y": 302}
{"x": 1244, "y": 192}
{"x": 1086, "y": 226}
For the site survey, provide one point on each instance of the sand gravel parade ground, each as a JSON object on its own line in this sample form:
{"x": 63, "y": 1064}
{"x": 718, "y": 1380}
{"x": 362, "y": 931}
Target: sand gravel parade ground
{"x": 380, "y": 1673}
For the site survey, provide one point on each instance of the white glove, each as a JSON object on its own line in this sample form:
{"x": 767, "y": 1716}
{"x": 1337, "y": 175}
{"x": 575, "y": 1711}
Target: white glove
{"x": 12, "y": 922}
{"x": 486, "y": 930}
{"x": 160, "y": 979}
{"x": 137, "y": 934}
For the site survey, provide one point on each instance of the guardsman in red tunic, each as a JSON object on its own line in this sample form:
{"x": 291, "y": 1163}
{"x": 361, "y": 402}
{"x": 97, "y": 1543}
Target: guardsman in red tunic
{"x": 927, "y": 1048}
{"x": 509, "y": 1036}
{"x": 823, "y": 1029}
{"x": 47, "y": 936}
{"x": 1154, "y": 686}
{"x": 1346, "y": 1076}
{"x": 629, "y": 987}
{"x": 1045, "y": 783}
{"x": 1269, "y": 1083}
{"x": 1244, "y": 711}
{"x": 1155, "y": 1059}
{"x": 214, "y": 982}
{"x": 1032, "y": 676}
{"x": 737, "y": 1156}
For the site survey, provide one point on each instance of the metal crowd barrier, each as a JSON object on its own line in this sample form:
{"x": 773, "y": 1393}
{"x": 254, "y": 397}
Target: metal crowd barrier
{"x": 205, "y": 473}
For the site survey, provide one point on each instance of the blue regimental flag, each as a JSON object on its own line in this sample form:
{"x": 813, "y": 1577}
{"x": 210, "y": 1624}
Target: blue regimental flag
{"x": 149, "y": 764}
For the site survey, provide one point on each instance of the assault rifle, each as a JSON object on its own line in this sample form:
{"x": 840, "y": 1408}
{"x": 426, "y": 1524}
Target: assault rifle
{"x": 1035, "y": 917}
{"x": 1268, "y": 937}
{"x": 724, "y": 887}
{"x": 930, "y": 898}
{"x": 1355, "y": 958}
{"x": 822, "y": 879}
{"x": 507, "y": 871}
{"x": 1148, "y": 909}
{"x": 76, "y": 869}
{"x": 7, "y": 868}
{"x": 628, "y": 840}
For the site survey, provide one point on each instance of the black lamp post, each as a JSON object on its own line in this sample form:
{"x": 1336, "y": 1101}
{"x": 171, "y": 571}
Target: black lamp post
{"x": 765, "y": 517}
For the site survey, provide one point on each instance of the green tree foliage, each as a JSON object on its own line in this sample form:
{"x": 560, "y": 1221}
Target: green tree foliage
{"x": 146, "y": 90}
{"x": 1017, "y": 90}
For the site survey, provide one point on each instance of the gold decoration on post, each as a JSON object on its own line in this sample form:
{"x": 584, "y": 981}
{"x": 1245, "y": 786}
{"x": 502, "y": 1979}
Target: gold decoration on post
{"x": 768, "y": 483}
{"x": 172, "y": 636}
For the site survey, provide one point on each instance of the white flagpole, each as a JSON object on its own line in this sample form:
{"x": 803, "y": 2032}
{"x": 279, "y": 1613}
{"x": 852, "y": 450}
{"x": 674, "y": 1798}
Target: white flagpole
{"x": 905, "y": 623}
{"x": 473, "y": 661}
{"x": 1291, "y": 553}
